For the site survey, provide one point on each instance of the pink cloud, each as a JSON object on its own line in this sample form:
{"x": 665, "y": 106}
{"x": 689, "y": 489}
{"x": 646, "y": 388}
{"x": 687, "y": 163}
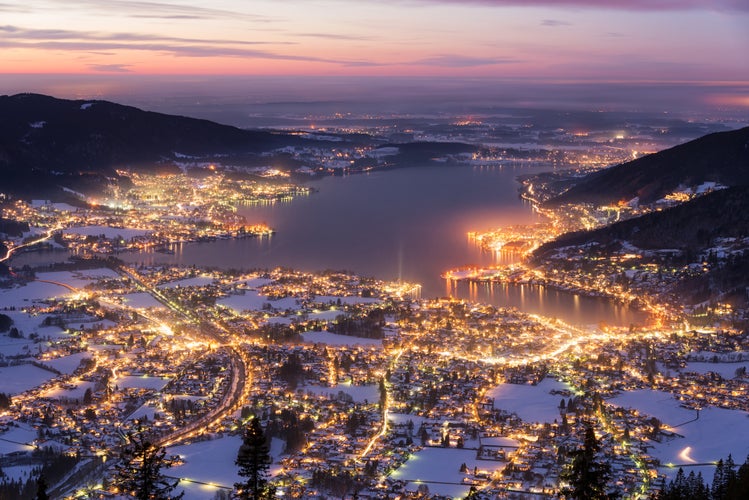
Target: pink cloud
{"x": 650, "y": 5}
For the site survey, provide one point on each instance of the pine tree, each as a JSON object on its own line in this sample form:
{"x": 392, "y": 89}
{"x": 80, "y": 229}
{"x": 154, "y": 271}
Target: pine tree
{"x": 738, "y": 488}
{"x": 41, "y": 488}
{"x": 138, "y": 473}
{"x": 718, "y": 490}
{"x": 253, "y": 460}
{"x": 587, "y": 475}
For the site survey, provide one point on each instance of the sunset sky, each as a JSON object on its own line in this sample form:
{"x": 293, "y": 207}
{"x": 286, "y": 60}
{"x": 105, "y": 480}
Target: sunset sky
{"x": 685, "y": 42}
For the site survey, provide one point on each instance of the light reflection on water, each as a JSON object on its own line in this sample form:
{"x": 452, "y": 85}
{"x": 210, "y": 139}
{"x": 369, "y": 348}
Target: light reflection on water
{"x": 408, "y": 224}
{"x": 538, "y": 299}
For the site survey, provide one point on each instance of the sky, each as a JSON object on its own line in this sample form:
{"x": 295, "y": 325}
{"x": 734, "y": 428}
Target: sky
{"x": 681, "y": 43}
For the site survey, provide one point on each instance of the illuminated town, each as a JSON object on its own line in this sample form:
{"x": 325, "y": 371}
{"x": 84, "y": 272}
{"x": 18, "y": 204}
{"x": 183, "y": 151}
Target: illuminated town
{"x": 365, "y": 388}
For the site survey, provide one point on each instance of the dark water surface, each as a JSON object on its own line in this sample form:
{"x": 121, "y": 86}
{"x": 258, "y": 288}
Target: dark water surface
{"x": 409, "y": 224}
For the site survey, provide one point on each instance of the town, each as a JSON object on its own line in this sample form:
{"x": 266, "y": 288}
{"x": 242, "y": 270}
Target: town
{"x": 364, "y": 388}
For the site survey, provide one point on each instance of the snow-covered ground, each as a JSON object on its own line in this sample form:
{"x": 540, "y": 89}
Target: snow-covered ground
{"x": 66, "y": 364}
{"x": 21, "y": 378}
{"x": 532, "y": 403}
{"x": 725, "y": 370}
{"x": 32, "y": 323}
{"x": 359, "y": 393}
{"x": 17, "y": 439}
{"x": 141, "y": 382}
{"x": 212, "y": 463}
{"x": 328, "y": 315}
{"x": 702, "y": 440}
{"x": 434, "y": 466}
{"x": 79, "y": 278}
{"x": 70, "y": 394}
{"x": 257, "y": 282}
{"x": 336, "y": 339}
{"x": 196, "y": 281}
{"x": 142, "y": 300}
{"x": 108, "y": 232}
{"x": 146, "y": 410}
{"x": 250, "y": 301}
{"x": 25, "y": 296}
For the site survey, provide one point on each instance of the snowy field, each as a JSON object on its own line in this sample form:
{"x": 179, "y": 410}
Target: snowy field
{"x": 17, "y": 439}
{"x": 25, "y": 296}
{"x": 335, "y": 339}
{"x": 21, "y": 378}
{"x": 725, "y": 370}
{"x": 141, "y": 382}
{"x": 258, "y": 282}
{"x": 66, "y": 364}
{"x": 196, "y": 281}
{"x": 249, "y": 301}
{"x": 701, "y": 440}
{"x": 108, "y": 232}
{"x": 79, "y": 278}
{"x": 530, "y": 403}
{"x": 442, "y": 465}
{"x": 329, "y": 315}
{"x": 359, "y": 393}
{"x": 141, "y": 300}
{"x": 212, "y": 462}
{"x": 76, "y": 393}
{"x": 146, "y": 410}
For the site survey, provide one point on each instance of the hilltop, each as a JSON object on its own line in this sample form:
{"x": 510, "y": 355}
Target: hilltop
{"x": 722, "y": 157}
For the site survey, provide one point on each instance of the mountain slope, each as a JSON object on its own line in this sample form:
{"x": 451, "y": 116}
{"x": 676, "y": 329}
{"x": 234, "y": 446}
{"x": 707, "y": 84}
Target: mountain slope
{"x": 720, "y": 157}
{"x": 691, "y": 225}
{"x": 699, "y": 250}
{"x": 48, "y": 134}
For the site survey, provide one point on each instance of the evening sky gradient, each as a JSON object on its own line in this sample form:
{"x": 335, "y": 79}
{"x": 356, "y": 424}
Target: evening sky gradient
{"x": 682, "y": 42}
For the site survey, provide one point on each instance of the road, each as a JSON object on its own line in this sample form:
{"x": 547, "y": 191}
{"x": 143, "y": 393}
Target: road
{"x": 210, "y": 333}
{"x": 236, "y": 394}
{"x": 47, "y": 235}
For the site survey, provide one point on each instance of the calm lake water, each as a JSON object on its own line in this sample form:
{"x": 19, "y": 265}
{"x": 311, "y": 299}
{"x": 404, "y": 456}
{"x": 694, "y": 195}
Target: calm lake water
{"x": 407, "y": 224}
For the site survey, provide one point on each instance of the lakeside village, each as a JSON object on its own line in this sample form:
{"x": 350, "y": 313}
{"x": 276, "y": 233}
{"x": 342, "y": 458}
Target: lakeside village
{"x": 362, "y": 387}
{"x": 641, "y": 278}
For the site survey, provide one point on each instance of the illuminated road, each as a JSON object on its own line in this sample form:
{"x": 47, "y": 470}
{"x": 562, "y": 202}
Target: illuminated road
{"x": 9, "y": 253}
{"x": 210, "y": 333}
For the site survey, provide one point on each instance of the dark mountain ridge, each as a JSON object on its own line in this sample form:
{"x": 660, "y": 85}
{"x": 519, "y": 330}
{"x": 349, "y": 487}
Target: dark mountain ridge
{"x": 721, "y": 157}
{"x": 49, "y": 134}
{"x": 713, "y": 227}
{"x": 691, "y": 225}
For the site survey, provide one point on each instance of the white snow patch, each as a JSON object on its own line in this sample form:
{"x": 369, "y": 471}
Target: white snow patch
{"x": 21, "y": 378}
{"x": 442, "y": 465}
{"x": 336, "y": 339}
{"x": 196, "y": 281}
{"x": 77, "y": 392}
{"x": 696, "y": 440}
{"x": 359, "y": 393}
{"x": 250, "y": 300}
{"x": 725, "y": 370}
{"x": 212, "y": 462}
{"x": 67, "y": 364}
{"x": 532, "y": 403}
{"x": 108, "y": 232}
{"x": 142, "y": 300}
{"x": 17, "y": 439}
{"x": 141, "y": 382}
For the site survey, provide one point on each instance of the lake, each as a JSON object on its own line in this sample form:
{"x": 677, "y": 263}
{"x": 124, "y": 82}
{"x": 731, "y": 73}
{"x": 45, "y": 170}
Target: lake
{"x": 406, "y": 224}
